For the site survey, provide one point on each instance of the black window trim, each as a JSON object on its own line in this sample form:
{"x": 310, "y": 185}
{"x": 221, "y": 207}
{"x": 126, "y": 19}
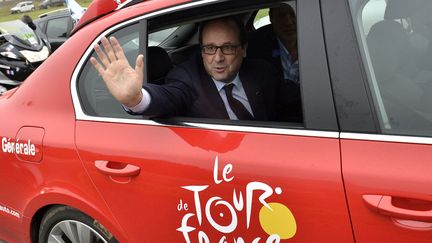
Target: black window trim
{"x": 353, "y": 99}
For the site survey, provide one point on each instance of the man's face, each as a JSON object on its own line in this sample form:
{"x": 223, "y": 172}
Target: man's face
{"x": 284, "y": 22}
{"x": 220, "y": 66}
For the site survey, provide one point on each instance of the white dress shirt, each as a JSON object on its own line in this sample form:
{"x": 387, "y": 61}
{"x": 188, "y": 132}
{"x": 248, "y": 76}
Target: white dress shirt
{"x": 290, "y": 68}
{"x": 237, "y": 92}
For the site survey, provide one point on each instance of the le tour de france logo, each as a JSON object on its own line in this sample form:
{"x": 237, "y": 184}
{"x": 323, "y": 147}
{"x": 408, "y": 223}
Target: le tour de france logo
{"x": 275, "y": 218}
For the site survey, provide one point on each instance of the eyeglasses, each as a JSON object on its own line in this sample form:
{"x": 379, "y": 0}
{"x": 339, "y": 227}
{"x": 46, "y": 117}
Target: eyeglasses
{"x": 227, "y": 49}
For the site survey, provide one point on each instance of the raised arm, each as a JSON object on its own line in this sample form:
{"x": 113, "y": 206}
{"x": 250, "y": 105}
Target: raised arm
{"x": 123, "y": 81}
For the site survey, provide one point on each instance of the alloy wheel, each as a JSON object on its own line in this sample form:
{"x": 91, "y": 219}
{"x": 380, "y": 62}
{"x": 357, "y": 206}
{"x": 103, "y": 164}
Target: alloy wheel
{"x": 71, "y": 231}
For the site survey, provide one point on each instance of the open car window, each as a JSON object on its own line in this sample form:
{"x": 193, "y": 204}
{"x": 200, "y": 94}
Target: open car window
{"x": 175, "y": 43}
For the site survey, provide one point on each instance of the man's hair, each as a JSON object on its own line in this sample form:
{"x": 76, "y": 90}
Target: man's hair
{"x": 286, "y": 8}
{"x": 238, "y": 23}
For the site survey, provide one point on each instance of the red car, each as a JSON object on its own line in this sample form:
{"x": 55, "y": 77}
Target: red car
{"x": 75, "y": 167}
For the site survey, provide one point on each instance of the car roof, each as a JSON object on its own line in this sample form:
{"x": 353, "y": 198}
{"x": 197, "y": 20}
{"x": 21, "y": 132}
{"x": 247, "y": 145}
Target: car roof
{"x": 58, "y": 12}
{"x": 97, "y": 9}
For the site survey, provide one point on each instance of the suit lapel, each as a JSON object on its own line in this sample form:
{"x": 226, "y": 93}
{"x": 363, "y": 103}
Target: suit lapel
{"x": 254, "y": 94}
{"x": 213, "y": 98}
{"x": 275, "y": 50}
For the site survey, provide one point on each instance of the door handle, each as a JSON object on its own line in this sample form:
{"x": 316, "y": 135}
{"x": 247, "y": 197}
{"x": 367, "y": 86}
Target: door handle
{"x": 383, "y": 204}
{"x": 117, "y": 169}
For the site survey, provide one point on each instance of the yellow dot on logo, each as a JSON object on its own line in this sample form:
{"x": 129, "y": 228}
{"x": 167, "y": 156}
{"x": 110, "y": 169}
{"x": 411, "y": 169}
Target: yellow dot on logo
{"x": 279, "y": 220}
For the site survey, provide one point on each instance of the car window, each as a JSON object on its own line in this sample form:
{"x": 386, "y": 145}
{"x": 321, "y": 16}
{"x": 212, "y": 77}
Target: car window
{"x": 396, "y": 45}
{"x": 157, "y": 37}
{"x": 283, "y": 103}
{"x": 261, "y": 19}
{"x": 57, "y": 27}
{"x": 95, "y": 97}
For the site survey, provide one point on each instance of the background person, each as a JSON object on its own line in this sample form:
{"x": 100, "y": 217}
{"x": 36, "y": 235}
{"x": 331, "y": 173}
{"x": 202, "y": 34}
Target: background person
{"x": 277, "y": 42}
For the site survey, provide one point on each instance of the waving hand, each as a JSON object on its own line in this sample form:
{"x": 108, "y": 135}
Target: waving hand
{"x": 123, "y": 81}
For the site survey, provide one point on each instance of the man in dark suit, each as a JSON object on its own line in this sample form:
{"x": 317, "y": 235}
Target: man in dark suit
{"x": 277, "y": 44}
{"x": 219, "y": 84}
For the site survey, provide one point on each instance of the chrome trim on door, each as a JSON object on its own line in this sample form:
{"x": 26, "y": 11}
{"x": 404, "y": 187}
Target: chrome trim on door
{"x": 219, "y": 127}
{"x": 386, "y": 138}
{"x": 266, "y": 130}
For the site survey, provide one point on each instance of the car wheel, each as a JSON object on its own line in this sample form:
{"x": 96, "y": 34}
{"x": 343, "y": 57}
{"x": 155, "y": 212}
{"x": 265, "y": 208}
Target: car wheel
{"x": 66, "y": 224}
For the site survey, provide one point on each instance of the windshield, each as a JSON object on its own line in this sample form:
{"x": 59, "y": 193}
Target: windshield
{"x": 19, "y": 34}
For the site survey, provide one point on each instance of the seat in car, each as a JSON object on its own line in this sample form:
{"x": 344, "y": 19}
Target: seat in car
{"x": 158, "y": 65}
{"x": 398, "y": 9}
{"x": 184, "y": 53}
{"x": 389, "y": 41}
{"x": 389, "y": 49}
{"x": 394, "y": 66}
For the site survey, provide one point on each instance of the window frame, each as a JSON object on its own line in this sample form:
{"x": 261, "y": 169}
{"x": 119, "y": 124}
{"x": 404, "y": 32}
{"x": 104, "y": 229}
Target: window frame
{"x": 374, "y": 89}
{"x": 352, "y": 94}
{"x": 84, "y": 99}
{"x": 318, "y": 111}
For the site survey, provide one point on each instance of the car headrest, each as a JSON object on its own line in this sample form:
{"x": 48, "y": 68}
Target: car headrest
{"x": 389, "y": 48}
{"x": 422, "y": 16}
{"x": 399, "y": 9}
{"x": 158, "y": 65}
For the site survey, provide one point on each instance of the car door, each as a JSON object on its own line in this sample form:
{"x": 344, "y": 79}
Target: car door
{"x": 202, "y": 180}
{"x": 381, "y": 79}
{"x": 58, "y": 30}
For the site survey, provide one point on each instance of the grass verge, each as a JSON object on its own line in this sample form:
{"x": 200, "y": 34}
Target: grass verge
{"x": 5, "y": 14}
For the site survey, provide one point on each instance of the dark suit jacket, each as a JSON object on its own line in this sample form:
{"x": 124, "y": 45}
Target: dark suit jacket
{"x": 190, "y": 91}
{"x": 262, "y": 44}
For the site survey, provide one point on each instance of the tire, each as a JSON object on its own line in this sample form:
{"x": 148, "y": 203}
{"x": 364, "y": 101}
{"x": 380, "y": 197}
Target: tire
{"x": 64, "y": 224}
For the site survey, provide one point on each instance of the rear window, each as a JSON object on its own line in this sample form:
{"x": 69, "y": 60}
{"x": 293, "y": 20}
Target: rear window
{"x": 395, "y": 40}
